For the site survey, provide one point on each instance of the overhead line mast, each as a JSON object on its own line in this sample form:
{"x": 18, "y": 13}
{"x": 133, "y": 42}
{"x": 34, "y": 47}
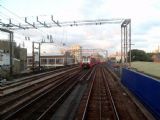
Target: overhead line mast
{"x": 125, "y": 30}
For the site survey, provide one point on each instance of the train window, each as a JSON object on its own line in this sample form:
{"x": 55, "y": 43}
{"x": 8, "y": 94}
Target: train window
{"x": 84, "y": 59}
{"x": 88, "y": 59}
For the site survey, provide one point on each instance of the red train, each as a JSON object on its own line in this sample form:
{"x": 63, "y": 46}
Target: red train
{"x": 88, "y": 62}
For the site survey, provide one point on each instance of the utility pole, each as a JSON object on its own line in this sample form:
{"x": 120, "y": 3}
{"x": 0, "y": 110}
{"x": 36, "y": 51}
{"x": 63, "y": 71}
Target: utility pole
{"x": 33, "y": 56}
{"x": 106, "y": 54}
{"x": 11, "y": 56}
{"x": 130, "y": 53}
{"x": 39, "y": 56}
{"x": 74, "y": 56}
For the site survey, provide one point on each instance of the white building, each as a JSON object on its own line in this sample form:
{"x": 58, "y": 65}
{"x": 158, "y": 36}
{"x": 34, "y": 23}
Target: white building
{"x": 76, "y": 51}
{"x": 4, "y": 58}
{"x": 117, "y": 56}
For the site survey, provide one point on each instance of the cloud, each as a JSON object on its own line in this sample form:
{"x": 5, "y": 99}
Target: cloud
{"x": 143, "y": 13}
{"x": 4, "y": 35}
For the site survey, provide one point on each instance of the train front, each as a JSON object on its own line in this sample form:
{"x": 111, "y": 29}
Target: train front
{"x": 85, "y": 63}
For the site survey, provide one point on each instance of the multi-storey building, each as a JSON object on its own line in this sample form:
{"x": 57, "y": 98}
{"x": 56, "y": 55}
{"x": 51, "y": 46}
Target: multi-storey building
{"x": 76, "y": 51}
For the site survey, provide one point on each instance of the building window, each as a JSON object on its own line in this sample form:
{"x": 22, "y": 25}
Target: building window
{"x": 44, "y": 61}
{"x": 59, "y": 61}
{"x": 51, "y": 61}
{"x": 29, "y": 60}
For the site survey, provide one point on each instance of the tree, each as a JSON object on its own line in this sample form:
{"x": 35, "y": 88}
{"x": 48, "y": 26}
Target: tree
{"x": 149, "y": 57}
{"x": 138, "y": 55}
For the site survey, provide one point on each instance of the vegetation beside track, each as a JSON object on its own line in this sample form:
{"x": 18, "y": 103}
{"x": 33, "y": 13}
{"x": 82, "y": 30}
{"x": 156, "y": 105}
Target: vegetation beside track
{"x": 149, "y": 68}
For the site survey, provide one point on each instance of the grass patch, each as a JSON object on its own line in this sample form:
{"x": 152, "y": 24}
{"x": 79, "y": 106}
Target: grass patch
{"x": 149, "y": 68}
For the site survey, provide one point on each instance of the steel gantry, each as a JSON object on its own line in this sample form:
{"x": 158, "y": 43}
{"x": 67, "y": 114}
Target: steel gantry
{"x": 125, "y": 30}
{"x": 53, "y": 23}
{"x": 126, "y": 42}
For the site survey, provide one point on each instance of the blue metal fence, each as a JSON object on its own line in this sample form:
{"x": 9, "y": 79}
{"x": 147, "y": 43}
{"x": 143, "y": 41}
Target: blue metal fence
{"x": 146, "y": 88}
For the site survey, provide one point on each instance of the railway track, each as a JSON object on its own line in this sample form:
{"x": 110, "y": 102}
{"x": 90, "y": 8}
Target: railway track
{"x": 105, "y": 99}
{"x": 48, "y": 114}
{"x": 97, "y": 103}
{"x": 23, "y": 80}
{"x": 102, "y": 100}
{"x": 12, "y": 101}
{"x": 128, "y": 107}
{"x": 107, "y": 96}
{"x": 38, "y": 107}
{"x": 29, "y": 82}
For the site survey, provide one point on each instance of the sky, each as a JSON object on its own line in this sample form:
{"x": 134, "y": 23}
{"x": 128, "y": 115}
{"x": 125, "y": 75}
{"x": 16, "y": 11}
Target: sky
{"x": 144, "y": 15}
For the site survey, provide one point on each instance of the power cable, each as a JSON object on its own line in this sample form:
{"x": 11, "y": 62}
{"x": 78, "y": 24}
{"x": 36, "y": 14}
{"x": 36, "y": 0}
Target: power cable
{"x": 11, "y": 12}
{"x": 20, "y": 18}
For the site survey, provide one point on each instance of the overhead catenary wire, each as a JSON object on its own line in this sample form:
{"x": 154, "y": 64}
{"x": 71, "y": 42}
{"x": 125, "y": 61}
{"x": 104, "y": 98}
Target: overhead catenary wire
{"x": 17, "y": 16}
{"x": 53, "y": 23}
{"x": 11, "y": 12}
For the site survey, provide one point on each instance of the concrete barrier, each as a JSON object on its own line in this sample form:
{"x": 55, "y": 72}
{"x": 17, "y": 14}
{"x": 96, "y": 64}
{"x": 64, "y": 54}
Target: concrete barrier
{"x": 146, "y": 88}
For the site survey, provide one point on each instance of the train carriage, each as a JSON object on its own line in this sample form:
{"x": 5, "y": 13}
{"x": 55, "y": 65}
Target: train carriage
{"x": 88, "y": 62}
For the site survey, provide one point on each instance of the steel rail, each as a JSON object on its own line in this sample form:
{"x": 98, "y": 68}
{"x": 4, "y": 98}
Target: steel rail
{"x": 32, "y": 91}
{"x": 17, "y": 95}
{"x": 90, "y": 75}
{"x": 110, "y": 94}
{"x": 43, "y": 116}
{"x": 9, "y": 117}
{"x": 88, "y": 98}
{"x": 32, "y": 77}
{"x": 100, "y": 100}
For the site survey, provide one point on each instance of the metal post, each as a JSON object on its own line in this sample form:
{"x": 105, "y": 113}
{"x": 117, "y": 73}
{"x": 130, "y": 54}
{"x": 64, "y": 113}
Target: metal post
{"x": 55, "y": 63}
{"x": 65, "y": 56}
{"x": 33, "y": 56}
{"x": 39, "y": 56}
{"x": 47, "y": 63}
{"x": 74, "y": 57}
{"x": 11, "y": 52}
{"x": 106, "y": 54}
{"x": 126, "y": 44}
{"x": 130, "y": 44}
{"x": 80, "y": 54}
{"x": 121, "y": 45}
{"x": 124, "y": 41}
{"x": 63, "y": 61}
